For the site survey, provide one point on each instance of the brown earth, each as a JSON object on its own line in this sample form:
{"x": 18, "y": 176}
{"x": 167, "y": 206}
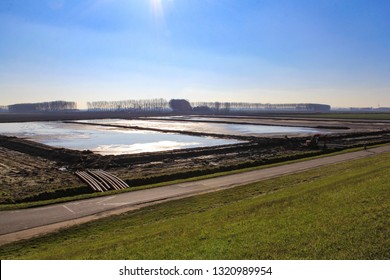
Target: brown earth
{"x": 22, "y": 175}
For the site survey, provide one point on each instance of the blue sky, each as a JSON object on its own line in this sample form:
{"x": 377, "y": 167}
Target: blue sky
{"x": 268, "y": 51}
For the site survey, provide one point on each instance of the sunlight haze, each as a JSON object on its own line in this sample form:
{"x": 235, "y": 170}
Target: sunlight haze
{"x": 333, "y": 52}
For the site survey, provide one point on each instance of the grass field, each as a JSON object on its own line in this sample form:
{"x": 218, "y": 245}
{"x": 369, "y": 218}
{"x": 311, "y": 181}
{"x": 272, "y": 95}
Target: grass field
{"x": 335, "y": 212}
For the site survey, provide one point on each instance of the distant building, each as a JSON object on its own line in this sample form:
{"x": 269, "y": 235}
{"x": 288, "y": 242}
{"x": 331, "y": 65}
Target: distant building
{"x": 383, "y": 109}
{"x": 300, "y": 107}
{"x": 361, "y": 109}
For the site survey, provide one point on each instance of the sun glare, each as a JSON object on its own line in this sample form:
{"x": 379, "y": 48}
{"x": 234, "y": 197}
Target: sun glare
{"x": 158, "y": 10}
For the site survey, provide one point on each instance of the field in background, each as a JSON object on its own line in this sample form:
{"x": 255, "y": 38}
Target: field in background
{"x": 334, "y": 212}
{"x": 360, "y": 116}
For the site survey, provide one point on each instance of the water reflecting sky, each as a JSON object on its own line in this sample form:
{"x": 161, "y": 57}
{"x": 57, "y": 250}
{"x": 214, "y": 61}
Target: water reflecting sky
{"x": 105, "y": 140}
{"x": 111, "y": 140}
{"x": 218, "y": 128}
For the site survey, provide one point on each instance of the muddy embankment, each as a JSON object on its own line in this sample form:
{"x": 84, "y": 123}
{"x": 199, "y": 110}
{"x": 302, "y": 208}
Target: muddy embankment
{"x": 78, "y": 115}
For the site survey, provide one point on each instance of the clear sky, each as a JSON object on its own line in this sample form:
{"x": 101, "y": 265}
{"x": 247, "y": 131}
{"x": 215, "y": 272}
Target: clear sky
{"x": 268, "y": 51}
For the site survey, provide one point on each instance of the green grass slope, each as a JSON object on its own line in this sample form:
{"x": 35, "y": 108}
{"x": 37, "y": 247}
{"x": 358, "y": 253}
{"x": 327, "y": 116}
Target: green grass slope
{"x": 335, "y": 212}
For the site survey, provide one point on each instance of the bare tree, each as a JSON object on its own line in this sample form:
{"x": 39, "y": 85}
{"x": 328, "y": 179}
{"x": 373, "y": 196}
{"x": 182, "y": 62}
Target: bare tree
{"x": 53, "y": 106}
{"x": 144, "y": 105}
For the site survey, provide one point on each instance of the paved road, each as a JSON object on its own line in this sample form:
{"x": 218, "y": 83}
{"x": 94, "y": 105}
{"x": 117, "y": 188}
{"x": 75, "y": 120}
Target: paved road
{"x": 18, "y": 224}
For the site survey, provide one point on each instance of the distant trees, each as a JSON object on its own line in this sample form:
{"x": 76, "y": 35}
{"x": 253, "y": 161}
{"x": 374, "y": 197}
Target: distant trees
{"x": 230, "y": 106}
{"x": 201, "y": 109}
{"x": 143, "y": 105}
{"x": 162, "y": 105}
{"x": 225, "y": 107}
{"x": 53, "y": 106}
{"x": 180, "y": 105}
{"x": 184, "y": 106}
{"x": 211, "y": 106}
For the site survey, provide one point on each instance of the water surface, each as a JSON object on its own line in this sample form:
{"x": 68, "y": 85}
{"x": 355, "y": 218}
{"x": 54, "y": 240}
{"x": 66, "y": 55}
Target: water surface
{"x": 217, "y": 128}
{"x": 105, "y": 140}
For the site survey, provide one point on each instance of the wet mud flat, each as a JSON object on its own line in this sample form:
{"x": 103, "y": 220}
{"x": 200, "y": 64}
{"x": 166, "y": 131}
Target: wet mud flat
{"x": 351, "y": 125}
{"x": 32, "y": 171}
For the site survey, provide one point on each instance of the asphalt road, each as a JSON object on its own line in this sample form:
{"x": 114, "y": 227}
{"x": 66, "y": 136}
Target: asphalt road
{"x": 20, "y": 224}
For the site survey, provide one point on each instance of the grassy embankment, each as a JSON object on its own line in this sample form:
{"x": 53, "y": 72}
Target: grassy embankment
{"x": 335, "y": 212}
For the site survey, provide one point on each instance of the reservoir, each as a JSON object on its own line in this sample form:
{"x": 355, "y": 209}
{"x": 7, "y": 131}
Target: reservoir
{"x": 105, "y": 140}
{"x": 211, "y": 127}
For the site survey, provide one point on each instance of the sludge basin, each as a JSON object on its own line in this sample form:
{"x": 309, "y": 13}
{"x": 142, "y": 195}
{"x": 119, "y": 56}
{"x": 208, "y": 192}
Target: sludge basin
{"x": 106, "y": 140}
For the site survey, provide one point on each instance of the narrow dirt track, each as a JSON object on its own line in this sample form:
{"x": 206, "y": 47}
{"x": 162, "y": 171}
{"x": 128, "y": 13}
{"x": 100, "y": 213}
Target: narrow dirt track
{"x": 27, "y": 223}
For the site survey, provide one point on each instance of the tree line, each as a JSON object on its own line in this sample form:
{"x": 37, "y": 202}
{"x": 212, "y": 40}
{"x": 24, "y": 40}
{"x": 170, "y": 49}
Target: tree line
{"x": 143, "y": 105}
{"x": 254, "y": 107}
{"x": 184, "y": 106}
{"x": 53, "y": 106}
{"x": 162, "y": 105}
